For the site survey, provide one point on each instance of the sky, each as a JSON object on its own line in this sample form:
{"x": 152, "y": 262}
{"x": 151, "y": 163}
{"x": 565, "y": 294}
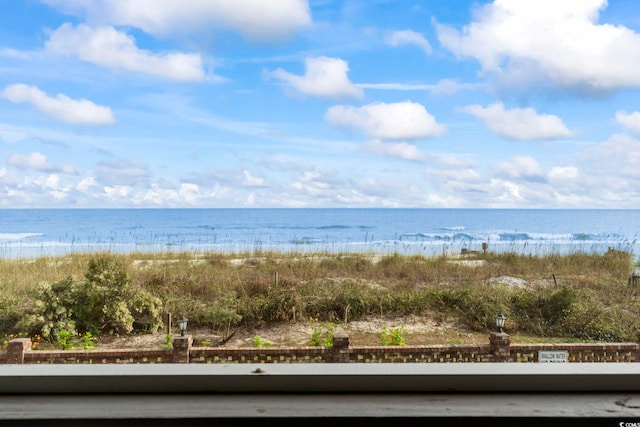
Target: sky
{"x": 320, "y": 103}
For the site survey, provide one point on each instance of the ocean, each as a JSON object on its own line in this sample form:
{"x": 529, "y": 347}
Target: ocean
{"x": 30, "y": 233}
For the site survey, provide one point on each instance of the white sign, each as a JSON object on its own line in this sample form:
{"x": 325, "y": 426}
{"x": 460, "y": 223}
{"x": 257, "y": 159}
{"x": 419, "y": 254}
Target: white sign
{"x": 553, "y": 356}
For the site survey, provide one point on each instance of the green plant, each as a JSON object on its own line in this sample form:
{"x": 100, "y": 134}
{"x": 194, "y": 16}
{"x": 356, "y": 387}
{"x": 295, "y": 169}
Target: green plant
{"x": 543, "y": 312}
{"x": 393, "y": 336}
{"x": 89, "y": 341}
{"x": 65, "y": 340}
{"x": 168, "y": 341}
{"x": 103, "y": 302}
{"x": 261, "y": 342}
{"x": 322, "y": 334}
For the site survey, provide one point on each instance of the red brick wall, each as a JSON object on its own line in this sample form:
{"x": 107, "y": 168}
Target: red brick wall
{"x": 596, "y": 352}
{"x": 523, "y": 353}
{"x": 99, "y": 356}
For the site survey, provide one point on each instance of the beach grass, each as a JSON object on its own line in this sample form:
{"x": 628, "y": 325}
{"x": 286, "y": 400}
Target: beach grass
{"x": 578, "y": 296}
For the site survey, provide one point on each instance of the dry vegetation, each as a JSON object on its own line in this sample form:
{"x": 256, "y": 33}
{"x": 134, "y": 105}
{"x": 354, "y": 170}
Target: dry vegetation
{"x": 274, "y": 295}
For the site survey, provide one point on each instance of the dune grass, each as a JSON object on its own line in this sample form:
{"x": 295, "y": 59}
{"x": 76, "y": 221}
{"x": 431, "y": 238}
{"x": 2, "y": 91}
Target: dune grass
{"x": 577, "y": 296}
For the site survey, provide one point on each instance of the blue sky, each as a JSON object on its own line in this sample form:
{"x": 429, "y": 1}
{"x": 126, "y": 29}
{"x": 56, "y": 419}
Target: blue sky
{"x": 320, "y": 103}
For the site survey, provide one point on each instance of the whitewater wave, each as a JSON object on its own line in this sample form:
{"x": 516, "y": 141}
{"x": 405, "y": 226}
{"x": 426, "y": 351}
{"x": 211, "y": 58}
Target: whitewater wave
{"x": 11, "y": 237}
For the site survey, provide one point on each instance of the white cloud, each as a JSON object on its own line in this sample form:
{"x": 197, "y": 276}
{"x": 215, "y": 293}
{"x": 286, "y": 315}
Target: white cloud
{"x": 629, "y": 121}
{"x": 326, "y": 77}
{"x": 402, "y": 120}
{"x": 189, "y": 192}
{"x": 548, "y": 41}
{"x": 442, "y": 87}
{"x": 61, "y": 107}
{"x": 395, "y": 86}
{"x": 121, "y": 173}
{"x": 408, "y": 37}
{"x": 6, "y": 178}
{"x": 157, "y": 195}
{"x": 449, "y": 87}
{"x": 401, "y": 150}
{"x": 38, "y": 161}
{"x": 117, "y": 192}
{"x": 562, "y": 174}
{"x": 619, "y": 156}
{"x": 521, "y": 167}
{"x": 522, "y": 124}
{"x": 251, "y": 180}
{"x": 86, "y": 183}
{"x": 315, "y": 183}
{"x": 257, "y": 20}
{"x": 108, "y": 47}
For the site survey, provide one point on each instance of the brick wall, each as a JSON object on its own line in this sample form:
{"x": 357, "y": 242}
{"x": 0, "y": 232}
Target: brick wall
{"x": 421, "y": 354}
{"x": 596, "y": 352}
{"x": 499, "y": 349}
{"x": 99, "y": 356}
{"x": 260, "y": 355}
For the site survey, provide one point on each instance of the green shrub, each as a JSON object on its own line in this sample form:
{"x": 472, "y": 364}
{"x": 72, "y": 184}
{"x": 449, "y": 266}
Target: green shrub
{"x": 53, "y": 310}
{"x": 261, "y": 343}
{"x": 542, "y": 312}
{"x": 103, "y": 302}
{"x": 65, "y": 340}
{"x": 393, "y": 336}
{"x": 10, "y": 314}
{"x": 168, "y": 341}
{"x": 322, "y": 334}
{"x": 88, "y": 341}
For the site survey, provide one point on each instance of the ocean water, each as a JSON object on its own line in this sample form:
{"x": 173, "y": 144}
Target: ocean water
{"x": 28, "y": 233}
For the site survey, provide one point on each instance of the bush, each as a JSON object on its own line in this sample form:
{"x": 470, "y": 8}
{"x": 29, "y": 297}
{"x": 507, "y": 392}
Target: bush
{"x": 322, "y": 333}
{"x": 53, "y": 310}
{"x": 542, "y": 312}
{"x": 9, "y": 314}
{"x": 104, "y": 302}
{"x": 393, "y": 336}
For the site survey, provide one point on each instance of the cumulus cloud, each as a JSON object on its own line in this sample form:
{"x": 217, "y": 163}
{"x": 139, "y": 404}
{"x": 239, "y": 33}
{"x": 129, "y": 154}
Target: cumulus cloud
{"x": 6, "y": 178}
{"x": 314, "y": 183}
{"x": 401, "y": 150}
{"x": 326, "y": 77}
{"x": 521, "y": 167}
{"x": 523, "y": 124}
{"x": 257, "y": 20}
{"x": 38, "y": 162}
{"x": 250, "y": 180}
{"x": 108, "y": 47}
{"x": 616, "y": 157}
{"x": 562, "y": 174}
{"x": 60, "y": 107}
{"x": 629, "y": 121}
{"x": 402, "y": 120}
{"x": 408, "y": 37}
{"x": 550, "y": 41}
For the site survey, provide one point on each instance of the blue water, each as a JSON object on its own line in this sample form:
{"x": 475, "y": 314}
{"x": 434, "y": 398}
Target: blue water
{"x": 47, "y": 232}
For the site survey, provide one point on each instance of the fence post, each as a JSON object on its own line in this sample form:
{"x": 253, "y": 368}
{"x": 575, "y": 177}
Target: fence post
{"x": 16, "y": 350}
{"x": 340, "y": 348}
{"x": 500, "y": 346}
{"x": 182, "y": 348}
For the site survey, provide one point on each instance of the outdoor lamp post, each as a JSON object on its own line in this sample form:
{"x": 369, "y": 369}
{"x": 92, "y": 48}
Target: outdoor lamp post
{"x": 500, "y": 318}
{"x": 182, "y": 325}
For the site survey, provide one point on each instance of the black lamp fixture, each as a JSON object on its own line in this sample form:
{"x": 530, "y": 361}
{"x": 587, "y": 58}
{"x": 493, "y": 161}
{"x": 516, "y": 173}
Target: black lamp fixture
{"x": 500, "y": 318}
{"x": 182, "y": 325}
